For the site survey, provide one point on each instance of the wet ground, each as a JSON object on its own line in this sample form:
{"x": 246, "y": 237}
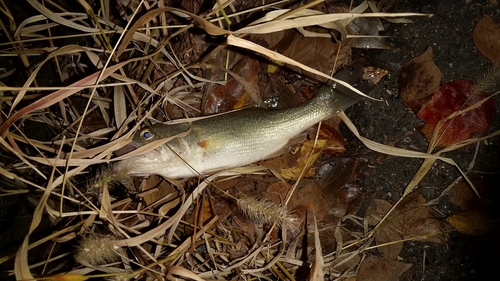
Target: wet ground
{"x": 449, "y": 33}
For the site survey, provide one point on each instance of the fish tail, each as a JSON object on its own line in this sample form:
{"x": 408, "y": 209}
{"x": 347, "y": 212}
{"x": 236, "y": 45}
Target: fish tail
{"x": 339, "y": 97}
{"x": 334, "y": 98}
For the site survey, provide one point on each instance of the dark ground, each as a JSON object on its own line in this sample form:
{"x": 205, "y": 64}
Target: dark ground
{"x": 449, "y": 33}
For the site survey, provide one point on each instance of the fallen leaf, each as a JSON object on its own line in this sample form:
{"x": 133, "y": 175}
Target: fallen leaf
{"x": 377, "y": 268}
{"x": 329, "y": 131}
{"x": 277, "y": 192}
{"x": 385, "y": 234}
{"x": 237, "y": 250}
{"x": 312, "y": 199}
{"x": 306, "y": 160}
{"x": 334, "y": 174}
{"x": 233, "y": 95}
{"x": 473, "y": 223}
{"x": 319, "y": 53}
{"x": 161, "y": 188}
{"x": 268, "y": 40}
{"x": 333, "y": 178}
{"x": 373, "y": 74}
{"x": 411, "y": 219}
{"x": 452, "y": 97}
{"x": 345, "y": 263}
{"x": 418, "y": 79}
{"x": 328, "y": 139}
{"x": 480, "y": 216}
{"x": 463, "y": 196}
{"x": 387, "y": 6}
{"x": 486, "y": 37}
{"x": 344, "y": 201}
{"x": 278, "y": 95}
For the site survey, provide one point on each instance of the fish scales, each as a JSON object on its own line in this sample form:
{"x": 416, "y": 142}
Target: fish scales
{"x": 232, "y": 139}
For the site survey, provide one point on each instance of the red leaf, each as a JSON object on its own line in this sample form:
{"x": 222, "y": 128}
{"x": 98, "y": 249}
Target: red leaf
{"x": 450, "y": 98}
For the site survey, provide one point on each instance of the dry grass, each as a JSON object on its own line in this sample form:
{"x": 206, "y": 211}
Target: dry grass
{"x": 126, "y": 76}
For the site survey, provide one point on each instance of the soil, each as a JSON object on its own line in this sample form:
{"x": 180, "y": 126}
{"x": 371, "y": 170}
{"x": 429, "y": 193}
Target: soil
{"x": 449, "y": 33}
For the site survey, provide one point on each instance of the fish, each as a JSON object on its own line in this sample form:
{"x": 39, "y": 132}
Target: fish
{"x": 233, "y": 139}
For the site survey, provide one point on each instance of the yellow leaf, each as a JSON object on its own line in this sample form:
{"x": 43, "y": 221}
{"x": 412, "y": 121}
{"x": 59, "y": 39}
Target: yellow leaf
{"x": 472, "y": 223}
{"x": 305, "y": 150}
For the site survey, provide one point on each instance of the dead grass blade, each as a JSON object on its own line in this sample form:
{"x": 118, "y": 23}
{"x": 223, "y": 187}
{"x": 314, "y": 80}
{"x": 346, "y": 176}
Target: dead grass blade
{"x": 182, "y": 272}
{"x": 310, "y": 18}
{"x": 206, "y": 25}
{"x": 317, "y": 273}
{"x": 21, "y": 157}
{"x": 21, "y": 267}
{"x": 57, "y": 96}
{"x": 239, "y": 42}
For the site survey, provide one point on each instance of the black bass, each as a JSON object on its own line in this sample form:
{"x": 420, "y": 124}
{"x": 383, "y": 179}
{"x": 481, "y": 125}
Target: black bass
{"x": 233, "y": 139}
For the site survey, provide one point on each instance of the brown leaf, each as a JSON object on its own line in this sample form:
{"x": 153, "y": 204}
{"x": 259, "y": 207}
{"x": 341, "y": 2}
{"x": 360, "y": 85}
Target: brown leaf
{"x": 233, "y": 95}
{"x": 286, "y": 160}
{"x": 278, "y": 95}
{"x": 377, "y": 268}
{"x": 345, "y": 263}
{"x": 161, "y": 188}
{"x": 344, "y": 201}
{"x": 268, "y": 40}
{"x": 312, "y": 199}
{"x": 384, "y": 234}
{"x": 480, "y": 214}
{"x": 411, "y": 219}
{"x": 328, "y": 139}
{"x": 486, "y": 37}
{"x": 373, "y": 74}
{"x": 277, "y": 192}
{"x": 330, "y": 133}
{"x": 418, "y": 79}
{"x": 418, "y": 220}
{"x": 319, "y": 53}
{"x": 334, "y": 174}
{"x": 462, "y": 195}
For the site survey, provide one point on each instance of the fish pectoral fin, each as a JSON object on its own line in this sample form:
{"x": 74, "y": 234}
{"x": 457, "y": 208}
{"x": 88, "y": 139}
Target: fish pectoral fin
{"x": 210, "y": 144}
{"x": 290, "y": 145}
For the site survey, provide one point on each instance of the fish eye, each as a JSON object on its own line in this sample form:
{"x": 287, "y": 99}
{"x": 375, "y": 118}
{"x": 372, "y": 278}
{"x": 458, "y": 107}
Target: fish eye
{"x": 146, "y": 134}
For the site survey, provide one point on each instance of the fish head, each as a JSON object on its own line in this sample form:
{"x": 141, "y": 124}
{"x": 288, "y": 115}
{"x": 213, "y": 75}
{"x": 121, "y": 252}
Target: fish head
{"x": 168, "y": 159}
{"x": 153, "y": 133}
{"x": 145, "y": 135}
{"x": 160, "y": 161}
{"x": 159, "y": 131}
